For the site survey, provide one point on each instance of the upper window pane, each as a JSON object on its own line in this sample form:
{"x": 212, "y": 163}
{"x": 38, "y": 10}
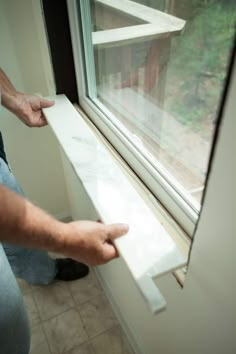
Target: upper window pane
{"x": 160, "y": 69}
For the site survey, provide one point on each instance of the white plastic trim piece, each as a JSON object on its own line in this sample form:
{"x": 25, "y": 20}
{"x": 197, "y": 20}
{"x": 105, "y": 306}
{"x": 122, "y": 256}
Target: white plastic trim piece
{"x": 147, "y": 249}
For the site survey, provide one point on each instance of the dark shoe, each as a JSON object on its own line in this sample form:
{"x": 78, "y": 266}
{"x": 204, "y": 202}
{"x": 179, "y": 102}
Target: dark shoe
{"x": 68, "y": 269}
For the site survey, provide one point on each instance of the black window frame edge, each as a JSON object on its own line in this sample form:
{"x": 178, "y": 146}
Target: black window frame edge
{"x": 59, "y": 39}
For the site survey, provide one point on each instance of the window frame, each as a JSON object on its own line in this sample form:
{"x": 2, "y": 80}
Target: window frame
{"x": 183, "y": 212}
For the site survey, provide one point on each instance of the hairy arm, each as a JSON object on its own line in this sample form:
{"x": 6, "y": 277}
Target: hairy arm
{"x": 23, "y": 223}
{"x": 8, "y": 90}
{"x": 28, "y": 108}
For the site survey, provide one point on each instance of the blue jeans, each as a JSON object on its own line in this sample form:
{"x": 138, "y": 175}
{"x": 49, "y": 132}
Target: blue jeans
{"x": 34, "y": 266}
{"x": 14, "y": 324}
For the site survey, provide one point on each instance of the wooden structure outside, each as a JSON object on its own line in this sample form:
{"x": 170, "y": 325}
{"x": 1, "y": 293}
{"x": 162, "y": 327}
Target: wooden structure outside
{"x": 132, "y": 46}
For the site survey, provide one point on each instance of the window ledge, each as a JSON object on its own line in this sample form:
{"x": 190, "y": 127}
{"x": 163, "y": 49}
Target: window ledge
{"x": 147, "y": 249}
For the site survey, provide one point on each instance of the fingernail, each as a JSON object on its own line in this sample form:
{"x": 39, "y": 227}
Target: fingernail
{"x": 125, "y": 227}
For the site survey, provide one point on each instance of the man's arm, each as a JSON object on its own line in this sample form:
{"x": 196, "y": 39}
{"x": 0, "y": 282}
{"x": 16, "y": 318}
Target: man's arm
{"x": 23, "y": 223}
{"x": 6, "y": 87}
{"x": 28, "y": 108}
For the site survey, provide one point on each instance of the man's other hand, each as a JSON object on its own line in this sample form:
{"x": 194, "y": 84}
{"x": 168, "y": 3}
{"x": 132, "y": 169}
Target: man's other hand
{"x": 29, "y": 109}
{"x": 92, "y": 242}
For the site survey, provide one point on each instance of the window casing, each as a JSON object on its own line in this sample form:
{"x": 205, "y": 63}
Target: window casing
{"x": 160, "y": 182}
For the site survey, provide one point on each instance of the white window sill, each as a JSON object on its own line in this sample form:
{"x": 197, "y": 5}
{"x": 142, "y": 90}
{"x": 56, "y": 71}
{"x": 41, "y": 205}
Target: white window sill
{"x": 147, "y": 249}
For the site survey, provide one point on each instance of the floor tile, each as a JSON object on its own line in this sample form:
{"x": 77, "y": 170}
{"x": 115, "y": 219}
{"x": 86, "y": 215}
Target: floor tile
{"x": 31, "y": 309}
{"x": 52, "y": 300}
{"x": 38, "y": 341}
{"x": 82, "y": 349}
{"x": 84, "y": 289}
{"x": 65, "y": 332}
{"x": 111, "y": 342}
{"x": 24, "y": 287}
{"x": 97, "y": 315}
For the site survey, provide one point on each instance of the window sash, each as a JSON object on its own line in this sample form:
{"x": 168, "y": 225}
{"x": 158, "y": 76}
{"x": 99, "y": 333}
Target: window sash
{"x": 163, "y": 187}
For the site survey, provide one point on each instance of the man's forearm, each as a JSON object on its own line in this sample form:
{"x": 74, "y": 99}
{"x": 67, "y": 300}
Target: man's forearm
{"x": 28, "y": 108}
{"x": 23, "y": 223}
{"x": 8, "y": 92}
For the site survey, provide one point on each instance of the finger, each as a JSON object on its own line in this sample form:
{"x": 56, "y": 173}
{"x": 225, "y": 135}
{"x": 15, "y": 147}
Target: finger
{"x": 117, "y": 230}
{"x": 42, "y": 122}
{"x": 45, "y": 103}
{"x": 110, "y": 251}
{"x": 38, "y": 120}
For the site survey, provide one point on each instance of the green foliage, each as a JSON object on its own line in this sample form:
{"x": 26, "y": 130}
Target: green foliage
{"x": 199, "y": 60}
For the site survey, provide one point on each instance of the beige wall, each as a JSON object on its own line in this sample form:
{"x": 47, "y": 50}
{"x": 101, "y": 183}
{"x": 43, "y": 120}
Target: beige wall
{"x": 33, "y": 153}
{"x": 201, "y": 317}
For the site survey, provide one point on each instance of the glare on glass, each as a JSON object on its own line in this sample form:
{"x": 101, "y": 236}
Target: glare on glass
{"x": 160, "y": 69}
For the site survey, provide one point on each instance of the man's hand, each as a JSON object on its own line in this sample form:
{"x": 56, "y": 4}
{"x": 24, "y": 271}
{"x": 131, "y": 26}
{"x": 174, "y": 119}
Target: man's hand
{"x": 26, "y": 107}
{"x": 92, "y": 242}
{"x": 25, "y": 224}
{"x": 29, "y": 109}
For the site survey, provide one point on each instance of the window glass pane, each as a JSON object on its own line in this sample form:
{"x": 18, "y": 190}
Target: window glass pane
{"x": 160, "y": 69}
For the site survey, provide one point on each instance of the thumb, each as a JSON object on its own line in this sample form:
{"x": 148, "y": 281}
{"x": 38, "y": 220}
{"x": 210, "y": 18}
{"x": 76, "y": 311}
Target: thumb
{"x": 117, "y": 230}
{"x": 45, "y": 103}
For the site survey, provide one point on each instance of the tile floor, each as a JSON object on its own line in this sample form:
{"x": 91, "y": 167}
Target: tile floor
{"x": 73, "y": 318}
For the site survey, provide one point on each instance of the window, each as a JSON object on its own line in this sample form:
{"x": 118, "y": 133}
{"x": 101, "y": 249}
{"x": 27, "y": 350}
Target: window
{"x": 151, "y": 74}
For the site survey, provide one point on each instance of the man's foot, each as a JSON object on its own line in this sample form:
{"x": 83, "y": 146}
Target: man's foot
{"x": 68, "y": 269}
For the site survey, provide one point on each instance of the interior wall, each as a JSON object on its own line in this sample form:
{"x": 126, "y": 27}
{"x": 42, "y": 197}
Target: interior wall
{"x": 200, "y": 318}
{"x": 33, "y": 153}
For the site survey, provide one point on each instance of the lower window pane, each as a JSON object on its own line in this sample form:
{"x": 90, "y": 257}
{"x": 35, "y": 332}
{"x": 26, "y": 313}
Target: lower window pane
{"x": 163, "y": 76}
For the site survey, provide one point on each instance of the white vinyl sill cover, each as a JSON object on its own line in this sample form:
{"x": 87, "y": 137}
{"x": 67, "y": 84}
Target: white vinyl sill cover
{"x": 147, "y": 249}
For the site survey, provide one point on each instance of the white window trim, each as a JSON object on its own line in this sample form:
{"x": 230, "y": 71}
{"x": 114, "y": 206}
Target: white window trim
{"x": 156, "y": 24}
{"x": 182, "y": 210}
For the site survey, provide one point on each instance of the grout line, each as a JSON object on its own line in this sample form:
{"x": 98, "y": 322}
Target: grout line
{"x": 36, "y": 307}
{"x": 41, "y": 324}
{"x": 103, "y": 332}
{"x": 75, "y": 305}
{"x": 83, "y": 324}
{"x": 89, "y": 339}
{"x": 76, "y": 308}
{"x": 92, "y": 297}
{"x": 84, "y": 327}
{"x": 70, "y": 292}
{"x": 54, "y": 316}
{"x": 87, "y": 301}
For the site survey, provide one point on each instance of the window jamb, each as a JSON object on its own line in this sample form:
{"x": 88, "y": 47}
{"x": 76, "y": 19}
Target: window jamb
{"x": 180, "y": 210}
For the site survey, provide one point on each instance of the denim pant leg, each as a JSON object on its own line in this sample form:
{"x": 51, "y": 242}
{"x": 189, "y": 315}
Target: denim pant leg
{"x": 14, "y": 324}
{"x": 34, "y": 266}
